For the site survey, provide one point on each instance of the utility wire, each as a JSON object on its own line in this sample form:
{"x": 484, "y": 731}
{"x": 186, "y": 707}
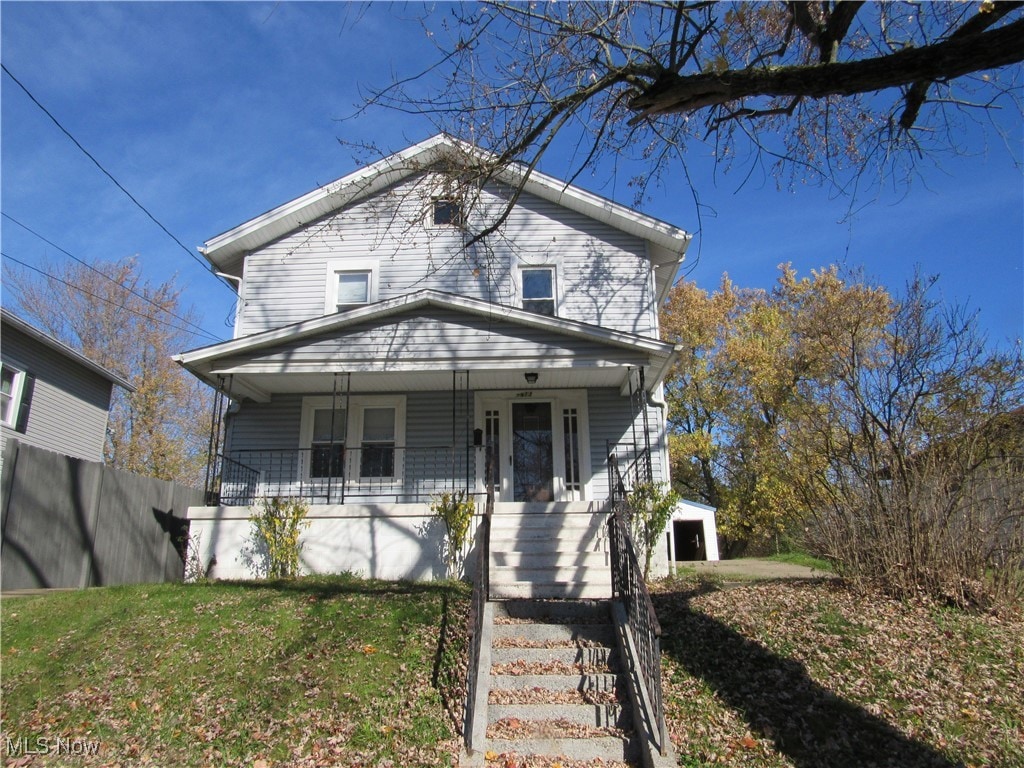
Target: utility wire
{"x": 106, "y": 300}
{"x": 66, "y": 132}
{"x": 198, "y": 329}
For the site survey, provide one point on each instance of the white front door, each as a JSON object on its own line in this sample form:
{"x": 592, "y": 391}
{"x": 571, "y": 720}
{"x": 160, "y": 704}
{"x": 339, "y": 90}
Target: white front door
{"x": 540, "y": 443}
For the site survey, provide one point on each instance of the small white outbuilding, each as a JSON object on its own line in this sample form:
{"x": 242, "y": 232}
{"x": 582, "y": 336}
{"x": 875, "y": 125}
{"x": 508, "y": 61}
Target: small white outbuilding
{"x": 691, "y": 533}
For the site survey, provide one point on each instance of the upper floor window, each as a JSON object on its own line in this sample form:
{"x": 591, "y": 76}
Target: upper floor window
{"x": 11, "y": 381}
{"x": 447, "y": 212}
{"x": 350, "y": 283}
{"x": 353, "y": 289}
{"x": 539, "y": 290}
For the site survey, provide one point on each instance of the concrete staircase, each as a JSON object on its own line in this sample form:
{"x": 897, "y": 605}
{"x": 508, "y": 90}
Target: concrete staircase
{"x": 556, "y": 690}
{"x": 555, "y": 550}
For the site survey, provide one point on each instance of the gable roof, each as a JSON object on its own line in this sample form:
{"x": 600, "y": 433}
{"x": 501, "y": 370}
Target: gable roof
{"x": 9, "y": 318}
{"x": 554, "y": 343}
{"x": 667, "y": 243}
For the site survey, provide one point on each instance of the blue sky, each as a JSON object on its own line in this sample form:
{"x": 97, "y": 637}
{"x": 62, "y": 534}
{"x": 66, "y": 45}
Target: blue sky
{"x": 212, "y": 113}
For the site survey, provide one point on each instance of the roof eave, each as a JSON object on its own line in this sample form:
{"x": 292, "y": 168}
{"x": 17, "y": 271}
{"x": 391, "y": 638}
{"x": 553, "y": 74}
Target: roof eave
{"x": 224, "y": 250}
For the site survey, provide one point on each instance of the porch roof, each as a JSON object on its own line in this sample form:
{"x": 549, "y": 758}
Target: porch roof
{"x": 414, "y": 342}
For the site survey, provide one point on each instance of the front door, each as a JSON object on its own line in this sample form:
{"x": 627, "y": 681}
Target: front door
{"x": 540, "y": 444}
{"x": 533, "y": 454}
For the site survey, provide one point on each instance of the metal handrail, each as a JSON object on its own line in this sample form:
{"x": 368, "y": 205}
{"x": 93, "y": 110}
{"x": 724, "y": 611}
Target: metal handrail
{"x": 628, "y": 585}
{"x": 481, "y": 594}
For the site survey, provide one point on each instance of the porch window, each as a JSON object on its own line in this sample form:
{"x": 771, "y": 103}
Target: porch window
{"x": 378, "y": 447}
{"x": 357, "y": 443}
{"x": 327, "y": 448}
{"x": 539, "y": 290}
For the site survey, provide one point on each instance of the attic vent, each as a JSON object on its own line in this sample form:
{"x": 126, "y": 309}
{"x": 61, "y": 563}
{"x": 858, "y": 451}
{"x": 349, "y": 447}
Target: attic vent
{"x": 447, "y": 212}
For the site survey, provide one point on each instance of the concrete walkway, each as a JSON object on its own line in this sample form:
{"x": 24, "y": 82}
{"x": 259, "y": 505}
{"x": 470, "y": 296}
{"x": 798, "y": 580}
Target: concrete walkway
{"x": 750, "y": 568}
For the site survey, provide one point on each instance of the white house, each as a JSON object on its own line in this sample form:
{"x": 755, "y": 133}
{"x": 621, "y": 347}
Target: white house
{"x": 381, "y": 351}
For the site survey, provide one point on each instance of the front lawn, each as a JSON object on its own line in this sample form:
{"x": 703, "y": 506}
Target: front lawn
{"x": 317, "y": 671}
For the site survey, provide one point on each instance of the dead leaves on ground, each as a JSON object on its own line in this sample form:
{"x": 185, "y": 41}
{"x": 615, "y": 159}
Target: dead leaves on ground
{"x": 777, "y": 674}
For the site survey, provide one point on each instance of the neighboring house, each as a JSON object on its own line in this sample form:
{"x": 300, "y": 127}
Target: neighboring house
{"x": 52, "y": 397}
{"x": 377, "y": 359}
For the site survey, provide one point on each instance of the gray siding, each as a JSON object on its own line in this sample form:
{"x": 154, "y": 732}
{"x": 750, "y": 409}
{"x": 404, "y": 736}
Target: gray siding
{"x": 429, "y": 418}
{"x": 603, "y": 273}
{"x": 70, "y": 403}
{"x": 611, "y": 422}
{"x": 441, "y": 336}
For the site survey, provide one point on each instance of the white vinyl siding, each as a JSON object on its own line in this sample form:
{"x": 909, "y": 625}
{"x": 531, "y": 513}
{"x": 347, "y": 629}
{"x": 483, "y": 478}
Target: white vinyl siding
{"x": 603, "y": 273}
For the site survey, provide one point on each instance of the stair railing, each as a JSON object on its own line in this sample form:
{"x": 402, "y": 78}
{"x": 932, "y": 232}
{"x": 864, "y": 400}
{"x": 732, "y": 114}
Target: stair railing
{"x": 629, "y": 587}
{"x": 481, "y": 594}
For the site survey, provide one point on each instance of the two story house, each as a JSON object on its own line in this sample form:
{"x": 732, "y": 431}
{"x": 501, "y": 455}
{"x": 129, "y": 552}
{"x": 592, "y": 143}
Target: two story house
{"x": 383, "y": 348}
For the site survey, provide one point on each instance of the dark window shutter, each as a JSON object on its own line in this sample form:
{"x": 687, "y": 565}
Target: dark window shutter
{"x": 27, "y": 386}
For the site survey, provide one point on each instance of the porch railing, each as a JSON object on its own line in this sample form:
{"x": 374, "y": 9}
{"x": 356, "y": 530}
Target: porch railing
{"x": 481, "y": 594}
{"x": 628, "y": 585}
{"x": 338, "y": 475}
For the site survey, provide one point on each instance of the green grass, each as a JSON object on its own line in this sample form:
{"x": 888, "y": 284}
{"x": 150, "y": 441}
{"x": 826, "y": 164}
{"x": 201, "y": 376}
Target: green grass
{"x": 231, "y": 673}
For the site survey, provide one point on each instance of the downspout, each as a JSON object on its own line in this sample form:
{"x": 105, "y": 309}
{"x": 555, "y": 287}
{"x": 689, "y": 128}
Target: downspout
{"x": 239, "y": 302}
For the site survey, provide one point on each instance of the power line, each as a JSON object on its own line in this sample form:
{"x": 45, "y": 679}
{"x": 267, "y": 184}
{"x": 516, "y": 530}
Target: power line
{"x": 106, "y": 300}
{"x": 118, "y": 184}
{"x": 101, "y": 273}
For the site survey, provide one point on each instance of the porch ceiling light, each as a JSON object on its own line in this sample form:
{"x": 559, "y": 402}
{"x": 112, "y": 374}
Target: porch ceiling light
{"x": 531, "y": 377}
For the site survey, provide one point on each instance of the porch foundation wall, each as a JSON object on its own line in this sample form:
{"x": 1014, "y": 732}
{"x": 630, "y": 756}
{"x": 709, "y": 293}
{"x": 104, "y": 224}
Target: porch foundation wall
{"x": 383, "y": 541}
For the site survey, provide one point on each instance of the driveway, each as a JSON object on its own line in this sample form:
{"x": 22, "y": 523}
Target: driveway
{"x": 753, "y": 568}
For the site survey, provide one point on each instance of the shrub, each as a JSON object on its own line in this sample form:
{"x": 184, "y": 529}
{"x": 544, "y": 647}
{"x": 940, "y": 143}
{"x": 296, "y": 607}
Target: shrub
{"x": 277, "y": 525}
{"x": 651, "y": 506}
{"x": 455, "y": 509}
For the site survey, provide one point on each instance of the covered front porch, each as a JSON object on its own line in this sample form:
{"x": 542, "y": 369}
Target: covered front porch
{"x": 396, "y": 401}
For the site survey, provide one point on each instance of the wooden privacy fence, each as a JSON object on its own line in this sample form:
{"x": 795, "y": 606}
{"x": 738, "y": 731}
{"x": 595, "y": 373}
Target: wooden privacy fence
{"x": 72, "y": 523}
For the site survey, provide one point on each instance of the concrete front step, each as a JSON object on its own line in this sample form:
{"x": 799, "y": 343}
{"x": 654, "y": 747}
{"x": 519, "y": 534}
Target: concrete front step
{"x": 522, "y": 590}
{"x": 553, "y": 611}
{"x": 589, "y": 558}
{"x": 591, "y": 657}
{"x": 562, "y": 635}
{"x": 527, "y": 634}
{"x": 606, "y": 748}
{"x": 598, "y": 681}
{"x": 596, "y": 715}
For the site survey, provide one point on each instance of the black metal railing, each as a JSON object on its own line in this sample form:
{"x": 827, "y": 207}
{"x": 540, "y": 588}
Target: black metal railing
{"x": 628, "y": 586}
{"x": 336, "y": 474}
{"x": 481, "y": 594}
{"x": 633, "y": 462}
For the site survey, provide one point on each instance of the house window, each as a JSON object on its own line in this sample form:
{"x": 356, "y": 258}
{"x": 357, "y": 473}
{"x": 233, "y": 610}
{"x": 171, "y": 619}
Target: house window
{"x": 350, "y": 283}
{"x": 10, "y": 393}
{"x": 539, "y": 290}
{"x": 353, "y": 289}
{"x": 447, "y": 212}
{"x": 327, "y": 445}
{"x": 377, "y": 450}
{"x": 571, "y": 436}
{"x": 360, "y": 442}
